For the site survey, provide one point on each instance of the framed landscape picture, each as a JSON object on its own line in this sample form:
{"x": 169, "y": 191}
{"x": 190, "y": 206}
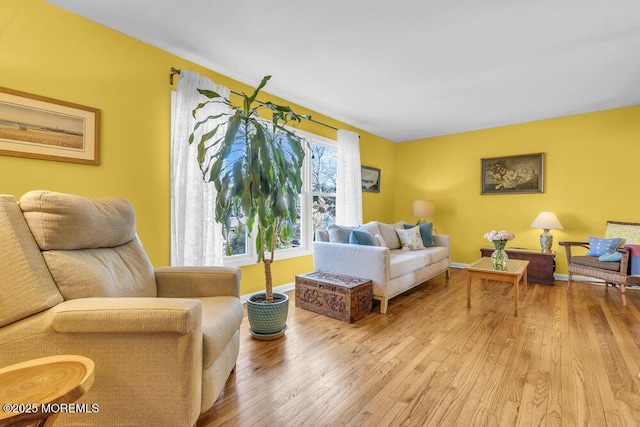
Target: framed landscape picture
{"x": 512, "y": 174}
{"x": 43, "y": 128}
{"x": 370, "y": 179}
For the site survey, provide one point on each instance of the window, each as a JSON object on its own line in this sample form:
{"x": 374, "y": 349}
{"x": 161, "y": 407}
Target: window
{"x": 316, "y": 206}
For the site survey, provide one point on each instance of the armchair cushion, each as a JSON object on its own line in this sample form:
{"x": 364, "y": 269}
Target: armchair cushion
{"x": 54, "y": 219}
{"x": 123, "y": 271}
{"x": 598, "y": 246}
{"x": 220, "y": 319}
{"x": 592, "y": 261}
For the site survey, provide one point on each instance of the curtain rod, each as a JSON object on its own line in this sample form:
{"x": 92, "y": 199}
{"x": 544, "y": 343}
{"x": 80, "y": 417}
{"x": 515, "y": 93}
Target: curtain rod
{"x": 175, "y": 71}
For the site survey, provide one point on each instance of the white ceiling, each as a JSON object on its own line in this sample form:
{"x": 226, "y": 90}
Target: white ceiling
{"x": 409, "y": 69}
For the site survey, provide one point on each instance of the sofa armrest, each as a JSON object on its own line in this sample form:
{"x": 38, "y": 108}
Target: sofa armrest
{"x": 127, "y": 315}
{"x": 367, "y": 262}
{"x": 197, "y": 282}
{"x": 442, "y": 240}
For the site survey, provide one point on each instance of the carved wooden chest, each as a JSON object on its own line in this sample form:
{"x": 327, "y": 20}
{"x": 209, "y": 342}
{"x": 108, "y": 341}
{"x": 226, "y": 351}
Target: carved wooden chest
{"x": 341, "y": 297}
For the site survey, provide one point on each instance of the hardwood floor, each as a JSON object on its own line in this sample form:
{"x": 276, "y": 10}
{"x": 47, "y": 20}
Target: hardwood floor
{"x": 570, "y": 358}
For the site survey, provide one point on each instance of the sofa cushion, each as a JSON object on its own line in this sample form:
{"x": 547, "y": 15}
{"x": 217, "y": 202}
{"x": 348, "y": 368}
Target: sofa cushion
{"x": 339, "y": 233}
{"x": 371, "y": 227}
{"x": 403, "y": 262}
{"x": 221, "y": 318}
{"x": 26, "y": 287}
{"x": 56, "y": 218}
{"x": 388, "y": 232}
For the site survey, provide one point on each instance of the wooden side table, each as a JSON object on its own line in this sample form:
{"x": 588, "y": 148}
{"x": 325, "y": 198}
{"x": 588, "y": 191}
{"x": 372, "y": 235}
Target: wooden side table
{"x": 33, "y": 392}
{"x": 541, "y": 265}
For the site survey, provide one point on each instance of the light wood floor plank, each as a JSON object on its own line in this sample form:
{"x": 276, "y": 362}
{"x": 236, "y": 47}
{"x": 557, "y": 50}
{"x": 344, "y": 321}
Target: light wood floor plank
{"x": 570, "y": 358}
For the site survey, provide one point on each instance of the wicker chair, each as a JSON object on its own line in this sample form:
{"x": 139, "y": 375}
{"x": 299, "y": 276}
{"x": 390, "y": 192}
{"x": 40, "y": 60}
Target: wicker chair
{"x": 612, "y": 273}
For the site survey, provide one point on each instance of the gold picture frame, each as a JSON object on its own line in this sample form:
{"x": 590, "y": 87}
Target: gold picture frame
{"x": 37, "y": 127}
{"x": 512, "y": 174}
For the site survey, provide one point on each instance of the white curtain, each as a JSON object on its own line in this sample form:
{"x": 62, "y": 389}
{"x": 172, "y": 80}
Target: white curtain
{"x": 196, "y": 239}
{"x": 349, "y": 185}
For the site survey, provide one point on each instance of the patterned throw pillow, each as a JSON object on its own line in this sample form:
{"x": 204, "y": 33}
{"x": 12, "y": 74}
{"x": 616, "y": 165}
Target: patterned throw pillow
{"x": 426, "y": 232}
{"x": 410, "y": 239}
{"x": 599, "y": 247}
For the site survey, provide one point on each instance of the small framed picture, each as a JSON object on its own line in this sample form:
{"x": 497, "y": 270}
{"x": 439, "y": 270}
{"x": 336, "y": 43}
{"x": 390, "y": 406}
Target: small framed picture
{"x": 370, "y": 179}
{"x": 43, "y": 128}
{"x": 512, "y": 174}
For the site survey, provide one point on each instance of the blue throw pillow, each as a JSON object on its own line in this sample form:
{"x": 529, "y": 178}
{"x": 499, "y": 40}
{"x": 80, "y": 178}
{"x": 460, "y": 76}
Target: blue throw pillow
{"x": 360, "y": 237}
{"x": 614, "y": 257}
{"x": 599, "y": 247}
{"x": 426, "y": 232}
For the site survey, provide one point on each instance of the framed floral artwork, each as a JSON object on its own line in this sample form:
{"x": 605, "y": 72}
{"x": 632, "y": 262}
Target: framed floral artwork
{"x": 512, "y": 174}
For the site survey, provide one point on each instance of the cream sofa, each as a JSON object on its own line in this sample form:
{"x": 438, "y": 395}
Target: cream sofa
{"x": 392, "y": 270}
{"x": 74, "y": 279}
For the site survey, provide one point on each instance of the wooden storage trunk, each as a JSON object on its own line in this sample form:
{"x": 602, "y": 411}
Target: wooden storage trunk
{"x": 341, "y": 297}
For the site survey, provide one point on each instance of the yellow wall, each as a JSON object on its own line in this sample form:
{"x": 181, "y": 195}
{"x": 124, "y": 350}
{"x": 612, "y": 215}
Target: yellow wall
{"x": 47, "y": 51}
{"x": 590, "y": 170}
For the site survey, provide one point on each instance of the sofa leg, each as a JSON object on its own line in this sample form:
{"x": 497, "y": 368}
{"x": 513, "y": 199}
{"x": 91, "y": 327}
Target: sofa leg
{"x": 384, "y": 304}
{"x": 447, "y": 273}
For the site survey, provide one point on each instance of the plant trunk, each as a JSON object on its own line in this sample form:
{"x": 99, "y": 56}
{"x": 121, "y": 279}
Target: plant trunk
{"x": 268, "y": 288}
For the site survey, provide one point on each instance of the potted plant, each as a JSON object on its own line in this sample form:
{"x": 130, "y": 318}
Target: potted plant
{"x": 256, "y": 167}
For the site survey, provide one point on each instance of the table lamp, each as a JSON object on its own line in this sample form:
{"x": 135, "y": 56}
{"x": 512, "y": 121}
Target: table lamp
{"x": 546, "y": 220}
{"x": 423, "y": 209}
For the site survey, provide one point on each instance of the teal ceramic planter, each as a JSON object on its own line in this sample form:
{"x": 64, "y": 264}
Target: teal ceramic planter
{"x": 268, "y": 320}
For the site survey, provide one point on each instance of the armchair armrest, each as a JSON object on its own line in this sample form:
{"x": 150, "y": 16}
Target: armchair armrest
{"x": 569, "y": 245}
{"x": 197, "y": 282}
{"x": 127, "y": 315}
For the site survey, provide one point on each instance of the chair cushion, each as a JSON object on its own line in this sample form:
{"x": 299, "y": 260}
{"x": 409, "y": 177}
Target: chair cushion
{"x": 55, "y": 219}
{"x": 26, "y": 287}
{"x": 89, "y": 245}
{"x": 123, "y": 271}
{"x": 592, "y": 261}
{"x": 221, "y": 318}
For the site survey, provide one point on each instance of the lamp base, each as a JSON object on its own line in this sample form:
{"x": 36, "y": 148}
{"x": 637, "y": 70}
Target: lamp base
{"x": 546, "y": 240}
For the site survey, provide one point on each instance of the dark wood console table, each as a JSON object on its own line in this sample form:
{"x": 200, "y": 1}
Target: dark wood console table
{"x": 541, "y": 265}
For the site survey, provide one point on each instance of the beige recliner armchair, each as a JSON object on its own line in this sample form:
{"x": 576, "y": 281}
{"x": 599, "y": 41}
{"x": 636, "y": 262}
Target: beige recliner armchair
{"x": 74, "y": 279}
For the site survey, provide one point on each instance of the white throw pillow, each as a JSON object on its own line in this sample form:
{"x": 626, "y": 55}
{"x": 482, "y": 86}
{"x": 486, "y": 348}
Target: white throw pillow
{"x": 379, "y": 240}
{"x": 410, "y": 239}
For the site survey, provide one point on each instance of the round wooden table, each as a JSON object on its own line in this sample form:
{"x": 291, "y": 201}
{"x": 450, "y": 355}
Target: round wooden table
{"x": 32, "y": 392}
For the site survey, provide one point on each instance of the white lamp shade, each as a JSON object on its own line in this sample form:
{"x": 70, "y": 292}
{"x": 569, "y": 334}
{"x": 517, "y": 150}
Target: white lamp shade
{"x": 547, "y": 221}
{"x": 423, "y": 208}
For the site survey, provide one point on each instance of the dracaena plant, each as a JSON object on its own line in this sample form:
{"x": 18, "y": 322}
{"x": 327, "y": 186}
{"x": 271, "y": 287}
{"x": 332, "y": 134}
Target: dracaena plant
{"x": 255, "y": 164}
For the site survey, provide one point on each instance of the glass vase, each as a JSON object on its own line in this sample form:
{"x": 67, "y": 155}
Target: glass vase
{"x": 499, "y": 259}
